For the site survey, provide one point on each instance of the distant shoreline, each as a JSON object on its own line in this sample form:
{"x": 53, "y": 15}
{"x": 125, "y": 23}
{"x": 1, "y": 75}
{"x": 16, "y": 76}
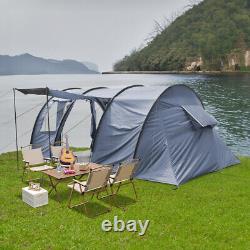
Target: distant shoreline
{"x": 178, "y": 72}
{"x": 40, "y": 74}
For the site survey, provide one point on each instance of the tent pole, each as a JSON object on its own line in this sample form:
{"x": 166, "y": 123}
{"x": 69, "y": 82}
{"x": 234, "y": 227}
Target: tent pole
{"x": 47, "y": 103}
{"x": 15, "y": 113}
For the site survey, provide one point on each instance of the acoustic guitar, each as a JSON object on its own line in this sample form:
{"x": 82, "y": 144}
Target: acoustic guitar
{"x": 67, "y": 156}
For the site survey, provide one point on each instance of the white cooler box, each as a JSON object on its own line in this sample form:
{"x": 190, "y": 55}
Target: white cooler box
{"x": 35, "y": 198}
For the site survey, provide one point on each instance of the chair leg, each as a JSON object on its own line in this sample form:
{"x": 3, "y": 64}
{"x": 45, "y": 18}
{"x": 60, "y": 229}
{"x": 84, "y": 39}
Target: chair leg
{"x": 70, "y": 198}
{"x": 136, "y": 197}
{"x": 84, "y": 204}
{"x": 42, "y": 179}
{"x": 27, "y": 172}
{"x": 97, "y": 195}
{"x": 109, "y": 198}
{"x": 118, "y": 188}
{"x": 107, "y": 191}
{"x": 104, "y": 196}
{"x": 26, "y": 175}
{"x": 114, "y": 198}
{"x": 23, "y": 175}
{"x": 112, "y": 190}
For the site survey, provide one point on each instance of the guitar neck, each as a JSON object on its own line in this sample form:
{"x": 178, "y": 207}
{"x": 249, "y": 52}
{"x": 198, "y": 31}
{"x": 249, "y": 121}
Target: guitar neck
{"x": 67, "y": 143}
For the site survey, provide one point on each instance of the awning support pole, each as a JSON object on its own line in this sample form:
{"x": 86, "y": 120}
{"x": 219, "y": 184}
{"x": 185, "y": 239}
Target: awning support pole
{"x": 15, "y": 113}
{"x": 47, "y": 103}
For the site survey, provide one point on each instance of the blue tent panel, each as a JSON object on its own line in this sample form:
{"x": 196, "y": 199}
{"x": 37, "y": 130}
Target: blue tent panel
{"x": 200, "y": 116}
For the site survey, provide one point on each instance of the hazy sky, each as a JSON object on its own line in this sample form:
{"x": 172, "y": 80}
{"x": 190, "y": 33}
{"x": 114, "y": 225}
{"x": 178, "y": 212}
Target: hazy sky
{"x": 101, "y": 31}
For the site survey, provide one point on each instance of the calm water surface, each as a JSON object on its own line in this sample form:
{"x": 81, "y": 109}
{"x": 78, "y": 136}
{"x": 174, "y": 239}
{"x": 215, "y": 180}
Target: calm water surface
{"x": 225, "y": 97}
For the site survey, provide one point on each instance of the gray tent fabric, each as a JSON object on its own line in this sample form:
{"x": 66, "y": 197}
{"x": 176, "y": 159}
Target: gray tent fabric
{"x": 40, "y": 135}
{"x": 121, "y": 125}
{"x": 190, "y": 152}
{"x": 199, "y": 116}
{"x": 167, "y": 128}
{"x": 189, "y": 149}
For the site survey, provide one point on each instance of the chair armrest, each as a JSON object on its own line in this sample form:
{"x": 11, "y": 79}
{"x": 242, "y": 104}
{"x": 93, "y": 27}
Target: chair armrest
{"x": 112, "y": 176}
{"x": 29, "y": 145}
{"x": 47, "y": 159}
{"x": 76, "y": 181}
{"x": 53, "y": 158}
{"x": 26, "y": 164}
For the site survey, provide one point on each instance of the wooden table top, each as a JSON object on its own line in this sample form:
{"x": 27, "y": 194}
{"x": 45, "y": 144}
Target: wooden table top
{"x": 61, "y": 175}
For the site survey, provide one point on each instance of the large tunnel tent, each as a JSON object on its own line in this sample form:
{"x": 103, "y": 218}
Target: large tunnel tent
{"x": 167, "y": 128}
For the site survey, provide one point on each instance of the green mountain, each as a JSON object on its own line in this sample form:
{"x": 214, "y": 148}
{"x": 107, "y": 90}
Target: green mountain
{"x": 214, "y": 34}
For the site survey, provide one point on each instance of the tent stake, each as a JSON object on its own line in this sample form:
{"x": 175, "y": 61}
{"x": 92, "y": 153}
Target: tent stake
{"x": 15, "y": 113}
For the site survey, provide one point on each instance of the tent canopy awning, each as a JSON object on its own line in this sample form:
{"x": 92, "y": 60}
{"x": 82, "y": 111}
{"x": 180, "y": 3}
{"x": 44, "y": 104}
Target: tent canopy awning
{"x": 58, "y": 94}
{"x": 101, "y": 94}
{"x": 34, "y": 91}
{"x": 200, "y": 116}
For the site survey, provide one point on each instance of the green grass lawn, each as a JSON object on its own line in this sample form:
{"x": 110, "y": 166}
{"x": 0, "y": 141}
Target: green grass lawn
{"x": 210, "y": 212}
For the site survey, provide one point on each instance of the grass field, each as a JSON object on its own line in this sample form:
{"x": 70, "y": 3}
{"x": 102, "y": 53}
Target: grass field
{"x": 210, "y": 212}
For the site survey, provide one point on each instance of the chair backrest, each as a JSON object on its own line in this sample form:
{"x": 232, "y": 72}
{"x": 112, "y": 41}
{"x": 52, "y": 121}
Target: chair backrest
{"x": 33, "y": 156}
{"x": 126, "y": 171}
{"x": 56, "y": 151}
{"x": 98, "y": 178}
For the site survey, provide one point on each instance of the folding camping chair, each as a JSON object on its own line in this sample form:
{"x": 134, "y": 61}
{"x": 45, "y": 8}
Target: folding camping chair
{"x": 96, "y": 183}
{"x": 124, "y": 176}
{"x": 33, "y": 161}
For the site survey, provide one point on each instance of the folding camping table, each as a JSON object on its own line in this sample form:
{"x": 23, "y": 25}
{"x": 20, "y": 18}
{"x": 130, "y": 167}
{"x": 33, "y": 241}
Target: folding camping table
{"x": 56, "y": 177}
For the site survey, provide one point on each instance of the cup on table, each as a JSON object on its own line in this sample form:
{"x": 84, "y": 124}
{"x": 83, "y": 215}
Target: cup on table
{"x": 84, "y": 167}
{"x": 77, "y": 166}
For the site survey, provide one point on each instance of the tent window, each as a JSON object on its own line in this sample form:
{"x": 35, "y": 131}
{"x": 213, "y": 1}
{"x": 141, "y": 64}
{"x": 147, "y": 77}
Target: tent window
{"x": 56, "y": 112}
{"x": 199, "y": 116}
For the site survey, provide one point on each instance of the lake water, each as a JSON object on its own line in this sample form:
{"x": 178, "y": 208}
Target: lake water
{"x": 225, "y": 97}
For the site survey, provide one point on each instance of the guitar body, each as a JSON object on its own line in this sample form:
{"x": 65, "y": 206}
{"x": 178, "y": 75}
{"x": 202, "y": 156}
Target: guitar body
{"x": 67, "y": 156}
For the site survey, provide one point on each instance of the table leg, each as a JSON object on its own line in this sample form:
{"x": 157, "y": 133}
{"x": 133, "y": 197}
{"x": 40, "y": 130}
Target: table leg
{"x": 53, "y": 187}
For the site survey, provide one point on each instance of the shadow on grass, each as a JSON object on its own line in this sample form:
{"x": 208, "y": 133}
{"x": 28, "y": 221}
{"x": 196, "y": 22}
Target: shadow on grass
{"x": 94, "y": 209}
{"x": 119, "y": 201}
{"x": 19, "y": 196}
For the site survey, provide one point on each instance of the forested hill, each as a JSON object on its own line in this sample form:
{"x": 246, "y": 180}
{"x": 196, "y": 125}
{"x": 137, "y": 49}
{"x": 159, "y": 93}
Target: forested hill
{"x": 214, "y": 33}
